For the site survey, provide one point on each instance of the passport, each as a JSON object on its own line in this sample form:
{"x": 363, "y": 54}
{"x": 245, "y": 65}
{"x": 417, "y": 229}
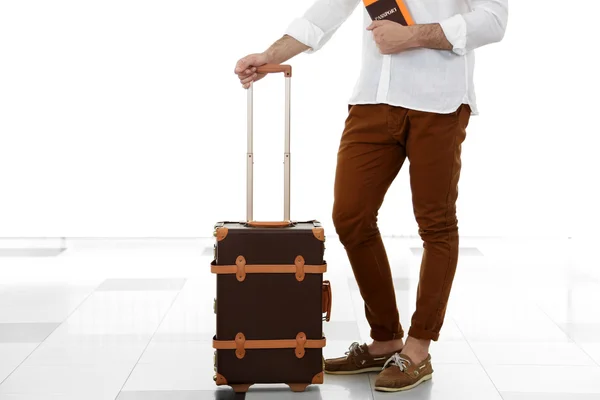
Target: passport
{"x": 393, "y": 10}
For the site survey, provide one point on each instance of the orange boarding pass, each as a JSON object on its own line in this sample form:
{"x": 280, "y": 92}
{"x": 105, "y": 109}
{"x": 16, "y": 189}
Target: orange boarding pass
{"x": 393, "y": 10}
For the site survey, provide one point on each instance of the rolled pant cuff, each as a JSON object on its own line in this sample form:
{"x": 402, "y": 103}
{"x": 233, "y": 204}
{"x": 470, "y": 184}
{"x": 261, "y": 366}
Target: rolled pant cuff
{"x": 382, "y": 336}
{"x": 423, "y": 334}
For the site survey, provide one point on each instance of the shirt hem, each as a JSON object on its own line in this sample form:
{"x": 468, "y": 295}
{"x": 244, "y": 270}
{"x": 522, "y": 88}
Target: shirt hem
{"x": 474, "y": 110}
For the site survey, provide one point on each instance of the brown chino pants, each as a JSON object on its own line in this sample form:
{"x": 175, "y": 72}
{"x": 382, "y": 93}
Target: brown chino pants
{"x": 375, "y": 143}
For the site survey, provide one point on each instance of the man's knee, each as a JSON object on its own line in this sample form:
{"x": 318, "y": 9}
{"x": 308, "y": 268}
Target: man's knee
{"x": 438, "y": 229}
{"x": 353, "y": 223}
{"x": 341, "y": 221}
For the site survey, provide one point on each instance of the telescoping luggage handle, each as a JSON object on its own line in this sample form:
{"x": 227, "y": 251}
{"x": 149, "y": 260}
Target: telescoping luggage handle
{"x": 287, "y": 71}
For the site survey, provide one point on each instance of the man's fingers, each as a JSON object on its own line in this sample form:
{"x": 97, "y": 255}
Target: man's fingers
{"x": 240, "y": 66}
{"x": 245, "y": 65}
{"x": 247, "y": 69}
{"x": 379, "y": 23}
{"x": 374, "y": 25}
{"x": 248, "y": 79}
{"x": 247, "y": 73}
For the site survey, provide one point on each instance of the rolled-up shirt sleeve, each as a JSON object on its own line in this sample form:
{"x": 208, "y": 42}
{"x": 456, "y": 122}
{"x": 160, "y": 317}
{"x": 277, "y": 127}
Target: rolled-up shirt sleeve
{"x": 320, "y": 22}
{"x": 484, "y": 24}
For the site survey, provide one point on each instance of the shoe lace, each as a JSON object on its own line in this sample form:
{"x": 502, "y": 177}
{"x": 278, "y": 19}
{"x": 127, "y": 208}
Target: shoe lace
{"x": 398, "y": 361}
{"x": 354, "y": 348}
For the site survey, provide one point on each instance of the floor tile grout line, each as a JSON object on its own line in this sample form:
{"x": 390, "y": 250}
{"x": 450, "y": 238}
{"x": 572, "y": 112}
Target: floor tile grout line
{"x": 371, "y": 388}
{"x": 358, "y": 328}
{"x": 536, "y": 365}
{"x": 478, "y": 360}
{"x": 563, "y": 331}
{"x": 150, "y": 341}
{"x": 353, "y": 308}
{"x": 49, "y": 334}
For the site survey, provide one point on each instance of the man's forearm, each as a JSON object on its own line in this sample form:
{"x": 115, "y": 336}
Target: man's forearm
{"x": 431, "y": 36}
{"x": 284, "y": 49}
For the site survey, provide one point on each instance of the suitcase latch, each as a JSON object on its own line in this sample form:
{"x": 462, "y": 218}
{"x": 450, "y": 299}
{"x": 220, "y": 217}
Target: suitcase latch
{"x": 299, "y": 268}
{"x": 241, "y": 268}
{"x": 301, "y": 342}
{"x": 240, "y": 341}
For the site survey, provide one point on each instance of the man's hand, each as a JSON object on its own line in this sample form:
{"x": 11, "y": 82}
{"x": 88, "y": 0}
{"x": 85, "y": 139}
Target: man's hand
{"x": 391, "y": 37}
{"x": 279, "y": 52}
{"x": 246, "y": 68}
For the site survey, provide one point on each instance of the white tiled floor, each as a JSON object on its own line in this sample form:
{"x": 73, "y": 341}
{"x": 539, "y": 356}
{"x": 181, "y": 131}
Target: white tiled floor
{"x": 133, "y": 320}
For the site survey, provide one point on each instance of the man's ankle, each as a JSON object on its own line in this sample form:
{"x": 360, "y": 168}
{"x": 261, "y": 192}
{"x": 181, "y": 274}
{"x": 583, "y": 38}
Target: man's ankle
{"x": 416, "y": 349}
{"x": 379, "y": 348}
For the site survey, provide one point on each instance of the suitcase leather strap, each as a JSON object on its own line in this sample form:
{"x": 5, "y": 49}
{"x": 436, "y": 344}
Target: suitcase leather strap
{"x": 327, "y": 300}
{"x": 269, "y": 224}
{"x": 240, "y": 344}
{"x": 241, "y": 269}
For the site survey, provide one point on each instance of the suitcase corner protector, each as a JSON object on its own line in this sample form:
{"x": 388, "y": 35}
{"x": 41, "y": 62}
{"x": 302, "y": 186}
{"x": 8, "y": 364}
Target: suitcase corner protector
{"x": 220, "y": 380}
{"x": 221, "y": 233}
{"x": 318, "y": 379}
{"x": 319, "y": 233}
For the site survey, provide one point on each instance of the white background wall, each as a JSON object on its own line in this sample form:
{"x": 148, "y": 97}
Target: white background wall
{"x": 124, "y": 118}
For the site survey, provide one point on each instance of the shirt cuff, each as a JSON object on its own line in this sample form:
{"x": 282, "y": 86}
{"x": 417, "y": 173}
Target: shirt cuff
{"x": 455, "y": 29}
{"x": 306, "y": 33}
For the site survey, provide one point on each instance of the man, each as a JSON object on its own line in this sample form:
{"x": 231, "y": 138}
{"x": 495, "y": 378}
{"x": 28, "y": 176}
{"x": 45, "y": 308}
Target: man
{"x": 413, "y": 99}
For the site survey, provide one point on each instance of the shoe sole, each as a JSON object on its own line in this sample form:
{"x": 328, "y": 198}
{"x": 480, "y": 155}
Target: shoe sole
{"x": 355, "y": 372}
{"x": 417, "y": 383}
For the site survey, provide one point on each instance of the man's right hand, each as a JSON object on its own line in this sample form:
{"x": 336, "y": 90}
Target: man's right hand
{"x": 279, "y": 52}
{"x": 246, "y": 68}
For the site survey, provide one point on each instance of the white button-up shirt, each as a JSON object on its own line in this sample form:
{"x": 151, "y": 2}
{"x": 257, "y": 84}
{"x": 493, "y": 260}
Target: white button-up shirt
{"x": 419, "y": 79}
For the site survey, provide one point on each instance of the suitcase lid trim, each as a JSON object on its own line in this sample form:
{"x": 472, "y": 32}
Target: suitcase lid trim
{"x": 222, "y": 229}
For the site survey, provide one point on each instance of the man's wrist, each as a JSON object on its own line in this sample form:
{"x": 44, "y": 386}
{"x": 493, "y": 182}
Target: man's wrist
{"x": 417, "y": 36}
{"x": 280, "y": 51}
{"x": 430, "y": 36}
{"x": 268, "y": 55}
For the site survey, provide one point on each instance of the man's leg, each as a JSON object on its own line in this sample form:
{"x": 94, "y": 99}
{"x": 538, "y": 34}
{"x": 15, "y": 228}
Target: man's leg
{"x": 369, "y": 159}
{"x": 434, "y": 150}
{"x": 433, "y": 146}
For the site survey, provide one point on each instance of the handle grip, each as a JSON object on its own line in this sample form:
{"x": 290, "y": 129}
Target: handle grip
{"x": 326, "y": 300}
{"x": 275, "y": 68}
{"x": 269, "y": 224}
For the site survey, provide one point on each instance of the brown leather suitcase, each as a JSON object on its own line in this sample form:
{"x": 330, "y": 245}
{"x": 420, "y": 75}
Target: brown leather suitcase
{"x": 271, "y": 296}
